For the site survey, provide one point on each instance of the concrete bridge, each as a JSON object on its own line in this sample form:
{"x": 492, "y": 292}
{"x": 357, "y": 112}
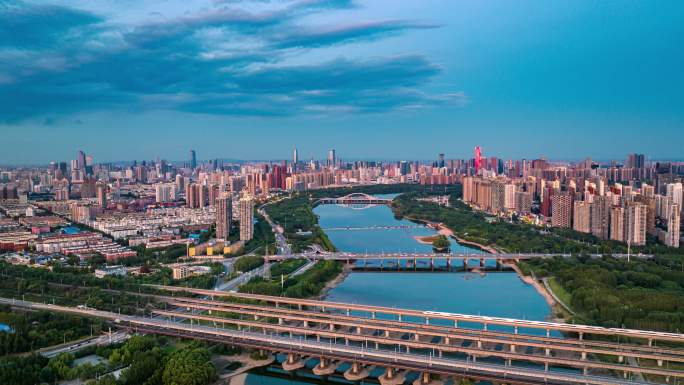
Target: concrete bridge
{"x": 432, "y": 343}
{"x": 375, "y": 227}
{"x": 413, "y": 259}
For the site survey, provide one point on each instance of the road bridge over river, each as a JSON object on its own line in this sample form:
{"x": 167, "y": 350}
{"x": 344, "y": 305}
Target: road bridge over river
{"x": 398, "y": 259}
{"x": 500, "y": 350}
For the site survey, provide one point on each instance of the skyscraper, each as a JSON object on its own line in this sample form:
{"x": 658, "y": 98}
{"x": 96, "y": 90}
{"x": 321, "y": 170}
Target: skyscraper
{"x": 246, "y": 207}
{"x": 478, "y": 159}
{"x": 193, "y": 159}
{"x": 295, "y": 156}
{"x": 331, "y": 158}
{"x": 224, "y": 216}
{"x": 81, "y": 160}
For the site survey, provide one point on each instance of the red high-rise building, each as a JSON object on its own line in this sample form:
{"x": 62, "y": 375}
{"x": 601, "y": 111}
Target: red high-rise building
{"x": 478, "y": 159}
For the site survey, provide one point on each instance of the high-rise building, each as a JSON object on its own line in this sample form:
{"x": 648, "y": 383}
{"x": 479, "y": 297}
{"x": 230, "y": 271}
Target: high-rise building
{"x": 498, "y": 197}
{"x": 101, "y": 193}
{"x": 600, "y": 217}
{"x": 478, "y": 159}
{"x": 674, "y": 192}
{"x": 295, "y": 156}
{"x": 673, "y": 226}
{"x": 165, "y": 192}
{"x": 523, "y": 202}
{"x": 203, "y": 195}
{"x": 561, "y": 210}
{"x": 332, "y": 159}
{"x": 581, "y": 216}
{"x": 617, "y": 224}
{"x": 635, "y": 161}
{"x": 246, "y": 209}
{"x": 509, "y": 196}
{"x": 635, "y": 223}
{"x": 81, "y": 160}
{"x": 193, "y": 159}
{"x": 192, "y": 195}
{"x": 224, "y": 216}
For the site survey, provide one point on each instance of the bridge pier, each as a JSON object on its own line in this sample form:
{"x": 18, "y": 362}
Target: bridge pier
{"x": 482, "y": 262}
{"x": 432, "y": 264}
{"x": 448, "y": 261}
{"x": 425, "y": 379}
{"x": 325, "y": 367}
{"x": 293, "y": 362}
{"x": 356, "y": 373}
{"x": 392, "y": 377}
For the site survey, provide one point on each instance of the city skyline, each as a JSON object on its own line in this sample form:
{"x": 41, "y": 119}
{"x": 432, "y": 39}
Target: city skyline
{"x": 370, "y": 79}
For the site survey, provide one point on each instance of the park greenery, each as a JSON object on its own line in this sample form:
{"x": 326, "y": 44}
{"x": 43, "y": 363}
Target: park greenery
{"x": 147, "y": 360}
{"x": 308, "y": 284}
{"x": 300, "y": 224}
{"x": 38, "y": 329}
{"x": 286, "y": 267}
{"x": 248, "y": 262}
{"x": 639, "y": 294}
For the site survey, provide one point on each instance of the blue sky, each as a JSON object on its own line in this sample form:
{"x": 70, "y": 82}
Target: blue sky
{"x": 250, "y": 79}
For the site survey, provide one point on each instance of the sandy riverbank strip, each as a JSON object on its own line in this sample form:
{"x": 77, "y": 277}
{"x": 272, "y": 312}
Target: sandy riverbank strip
{"x": 543, "y": 291}
{"x": 346, "y": 270}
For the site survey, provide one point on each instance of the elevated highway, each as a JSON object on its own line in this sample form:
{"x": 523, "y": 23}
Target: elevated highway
{"x": 361, "y": 349}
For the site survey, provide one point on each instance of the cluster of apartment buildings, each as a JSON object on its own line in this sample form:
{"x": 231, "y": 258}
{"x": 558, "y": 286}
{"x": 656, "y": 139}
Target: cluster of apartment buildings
{"x": 618, "y": 212}
{"x": 84, "y": 244}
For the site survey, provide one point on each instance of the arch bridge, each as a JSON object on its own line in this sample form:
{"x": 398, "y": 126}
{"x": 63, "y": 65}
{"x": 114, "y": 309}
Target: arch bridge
{"x": 355, "y": 199}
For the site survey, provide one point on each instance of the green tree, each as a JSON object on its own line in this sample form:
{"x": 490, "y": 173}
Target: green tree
{"x": 189, "y": 366}
{"x": 441, "y": 243}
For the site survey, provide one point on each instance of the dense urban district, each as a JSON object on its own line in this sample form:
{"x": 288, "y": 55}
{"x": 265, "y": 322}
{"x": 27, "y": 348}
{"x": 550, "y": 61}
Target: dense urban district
{"x": 114, "y": 273}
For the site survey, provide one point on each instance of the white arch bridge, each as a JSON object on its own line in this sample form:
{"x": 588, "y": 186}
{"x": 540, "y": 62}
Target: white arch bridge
{"x": 354, "y": 199}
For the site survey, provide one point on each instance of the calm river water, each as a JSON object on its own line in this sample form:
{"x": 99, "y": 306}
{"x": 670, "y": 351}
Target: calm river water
{"x": 500, "y": 294}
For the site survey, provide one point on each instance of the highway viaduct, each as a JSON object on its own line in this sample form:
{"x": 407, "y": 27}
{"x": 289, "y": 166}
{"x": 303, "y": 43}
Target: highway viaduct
{"x": 435, "y": 343}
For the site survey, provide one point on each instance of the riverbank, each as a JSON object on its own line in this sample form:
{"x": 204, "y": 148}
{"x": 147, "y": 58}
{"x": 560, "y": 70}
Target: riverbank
{"x": 346, "y": 270}
{"x": 557, "y": 307}
{"x": 442, "y": 229}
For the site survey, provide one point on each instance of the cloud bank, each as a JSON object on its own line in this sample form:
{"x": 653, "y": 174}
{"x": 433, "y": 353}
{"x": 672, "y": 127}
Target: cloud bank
{"x": 222, "y": 59}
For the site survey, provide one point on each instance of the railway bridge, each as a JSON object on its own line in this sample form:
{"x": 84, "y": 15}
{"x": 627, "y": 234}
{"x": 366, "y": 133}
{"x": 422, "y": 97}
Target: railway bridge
{"x": 432, "y": 343}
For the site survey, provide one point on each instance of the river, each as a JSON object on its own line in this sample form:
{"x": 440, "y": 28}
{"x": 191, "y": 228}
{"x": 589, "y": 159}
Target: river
{"x": 500, "y": 294}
